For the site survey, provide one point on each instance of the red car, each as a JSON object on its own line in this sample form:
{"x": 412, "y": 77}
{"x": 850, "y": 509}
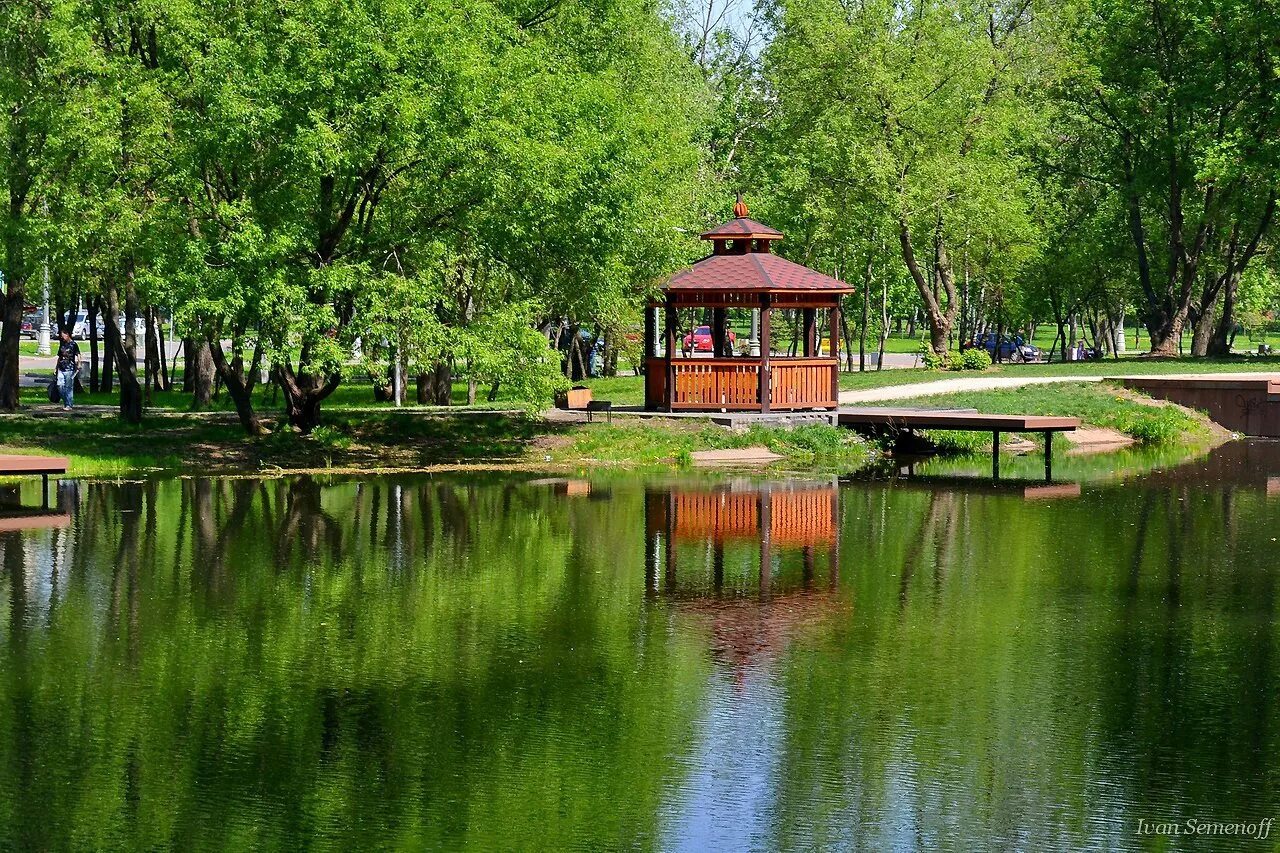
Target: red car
{"x": 700, "y": 340}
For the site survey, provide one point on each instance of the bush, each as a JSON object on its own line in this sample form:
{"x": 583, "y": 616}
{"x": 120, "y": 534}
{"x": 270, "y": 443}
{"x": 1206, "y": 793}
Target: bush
{"x": 955, "y": 361}
{"x": 976, "y": 358}
{"x": 930, "y": 359}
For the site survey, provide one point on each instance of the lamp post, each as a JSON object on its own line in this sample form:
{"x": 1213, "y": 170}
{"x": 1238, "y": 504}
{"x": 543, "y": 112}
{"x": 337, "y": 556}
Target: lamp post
{"x": 42, "y": 347}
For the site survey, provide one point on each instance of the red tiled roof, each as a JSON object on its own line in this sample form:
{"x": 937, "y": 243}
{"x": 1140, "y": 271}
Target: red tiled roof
{"x": 753, "y": 271}
{"x": 742, "y": 227}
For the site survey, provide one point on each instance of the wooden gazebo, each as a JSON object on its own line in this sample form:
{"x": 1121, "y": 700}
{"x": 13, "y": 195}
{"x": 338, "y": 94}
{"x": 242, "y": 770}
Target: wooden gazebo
{"x": 743, "y": 272}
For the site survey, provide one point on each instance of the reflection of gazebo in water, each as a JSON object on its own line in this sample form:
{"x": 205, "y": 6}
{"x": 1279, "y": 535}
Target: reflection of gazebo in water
{"x": 780, "y": 519}
{"x": 742, "y": 272}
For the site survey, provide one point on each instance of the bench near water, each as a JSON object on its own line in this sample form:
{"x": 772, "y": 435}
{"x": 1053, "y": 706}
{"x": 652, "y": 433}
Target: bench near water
{"x": 906, "y": 420}
{"x": 30, "y": 466}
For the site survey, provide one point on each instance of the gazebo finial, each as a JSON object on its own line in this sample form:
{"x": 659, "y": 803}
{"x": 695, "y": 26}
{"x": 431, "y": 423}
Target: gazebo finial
{"x": 740, "y": 208}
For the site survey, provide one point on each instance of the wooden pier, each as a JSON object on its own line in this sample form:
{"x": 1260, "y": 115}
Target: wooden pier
{"x": 876, "y": 419}
{"x": 30, "y": 466}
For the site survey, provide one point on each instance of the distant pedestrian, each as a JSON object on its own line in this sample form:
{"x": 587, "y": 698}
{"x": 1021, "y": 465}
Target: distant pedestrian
{"x": 68, "y": 368}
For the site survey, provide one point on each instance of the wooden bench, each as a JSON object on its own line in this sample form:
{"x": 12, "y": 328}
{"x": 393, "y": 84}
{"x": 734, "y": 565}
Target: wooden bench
{"x": 605, "y": 406}
{"x": 29, "y": 466}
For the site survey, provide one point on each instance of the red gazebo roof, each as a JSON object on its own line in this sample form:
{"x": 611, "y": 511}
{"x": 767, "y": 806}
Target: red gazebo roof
{"x": 742, "y": 228}
{"x": 754, "y": 272}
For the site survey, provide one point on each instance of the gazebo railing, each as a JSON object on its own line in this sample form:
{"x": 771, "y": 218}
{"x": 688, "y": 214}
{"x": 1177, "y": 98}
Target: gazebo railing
{"x": 802, "y": 383}
{"x": 734, "y": 383}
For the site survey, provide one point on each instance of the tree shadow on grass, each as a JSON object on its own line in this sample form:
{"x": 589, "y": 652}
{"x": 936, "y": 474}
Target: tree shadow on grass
{"x": 447, "y": 438}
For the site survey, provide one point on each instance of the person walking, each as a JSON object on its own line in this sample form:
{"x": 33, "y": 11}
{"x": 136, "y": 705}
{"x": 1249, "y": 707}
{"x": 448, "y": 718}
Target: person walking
{"x": 68, "y": 368}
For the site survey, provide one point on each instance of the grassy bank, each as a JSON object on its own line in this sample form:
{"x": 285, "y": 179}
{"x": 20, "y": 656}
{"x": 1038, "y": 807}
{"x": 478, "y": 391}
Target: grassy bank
{"x": 358, "y": 433}
{"x": 102, "y": 446}
{"x": 662, "y": 443}
{"x": 1128, "y": 366}
{"x": 629, "y": 390}
{"x": 1096, "y": 404}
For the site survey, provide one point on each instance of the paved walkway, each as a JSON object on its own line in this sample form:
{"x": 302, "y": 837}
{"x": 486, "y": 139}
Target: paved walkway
{"x": 952, "y": 386}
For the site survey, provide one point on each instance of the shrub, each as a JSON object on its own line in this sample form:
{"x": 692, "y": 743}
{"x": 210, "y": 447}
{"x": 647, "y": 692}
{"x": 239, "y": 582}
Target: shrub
{"x": 955, "y": 361}
{"x": 976, "y": 358}
{"x": 930, "y": 359}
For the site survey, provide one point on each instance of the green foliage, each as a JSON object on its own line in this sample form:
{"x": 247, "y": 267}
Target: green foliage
{"x": 976, "y": 358}
{"x": 933, "y": 360}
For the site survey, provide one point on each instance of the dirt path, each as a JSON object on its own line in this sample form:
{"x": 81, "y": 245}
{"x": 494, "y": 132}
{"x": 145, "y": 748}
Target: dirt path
{"x": 952, "y": 386}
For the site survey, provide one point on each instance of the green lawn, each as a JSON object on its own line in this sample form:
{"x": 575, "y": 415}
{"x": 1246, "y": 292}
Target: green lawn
{"x": 1127, "y": 366}
{"x": 629, "y": 390}
{"x": 1096, "y": 404}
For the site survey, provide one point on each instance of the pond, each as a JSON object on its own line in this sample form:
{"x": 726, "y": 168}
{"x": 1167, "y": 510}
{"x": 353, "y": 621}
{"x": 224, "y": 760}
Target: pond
{"x": 728, "y": 662}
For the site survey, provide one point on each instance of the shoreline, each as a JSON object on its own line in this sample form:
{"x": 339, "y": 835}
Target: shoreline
{"x": 369, "y": 441}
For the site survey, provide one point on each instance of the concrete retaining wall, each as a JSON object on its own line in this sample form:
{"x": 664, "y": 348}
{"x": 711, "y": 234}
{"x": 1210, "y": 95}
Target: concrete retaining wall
{"x": 1250, "y": 406}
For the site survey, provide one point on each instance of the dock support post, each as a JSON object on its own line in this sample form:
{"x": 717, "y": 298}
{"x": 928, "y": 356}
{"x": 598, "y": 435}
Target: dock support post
{"x": 44, "y": 485}
{"x": 1048, "y": 457}
{"x": 995, "y": 456}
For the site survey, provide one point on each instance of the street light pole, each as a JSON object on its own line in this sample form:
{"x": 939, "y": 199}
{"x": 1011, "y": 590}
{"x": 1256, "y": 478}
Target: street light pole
{"x": 43, "y": 341}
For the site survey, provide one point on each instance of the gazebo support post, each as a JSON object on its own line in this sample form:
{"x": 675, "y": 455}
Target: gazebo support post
{"x": 650, "y": 332}
{"x": 718, "y": 337}
{"x": 835, "y": 351}
{"x": 810, "y": 332}
{"x": 650, "y": 351}
{"x": 669, "y": 387}
{"x": 766, "y": 303}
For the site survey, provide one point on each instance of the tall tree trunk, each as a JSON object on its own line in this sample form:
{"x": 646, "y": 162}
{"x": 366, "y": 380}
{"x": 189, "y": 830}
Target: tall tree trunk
{"x": 239, "y": 383}
{"x": 1202, "y": 330}
{"x": 123, "y": 346}
{"x": 91, "y": 318}
{"x": 163, "y": 381}
{"x": 304, "y": 391}
{"x": 940, "y": 319}
{"x": 189, "y": 346}
{"x": 441, "y": 384}
{"x": 884, "y": 321}
{"x": 11, "y": 326}
{"x": 108, "y": 351}
{"x": 1220, "y": 342}
{"x": 201, "y": 369}
{"x": 866, "y": 317}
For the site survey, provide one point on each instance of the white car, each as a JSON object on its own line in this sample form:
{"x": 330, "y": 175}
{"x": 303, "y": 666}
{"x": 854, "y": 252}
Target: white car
{"x": 80, "y": 331}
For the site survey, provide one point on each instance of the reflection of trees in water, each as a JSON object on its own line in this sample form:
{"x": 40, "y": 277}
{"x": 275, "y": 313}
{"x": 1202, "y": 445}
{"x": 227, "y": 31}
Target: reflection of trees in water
{"x": 1124, "y": 638}
{"x": 445, "y": 655}
{"x": 378, "y": 648}
{"x": 935, "y": 533}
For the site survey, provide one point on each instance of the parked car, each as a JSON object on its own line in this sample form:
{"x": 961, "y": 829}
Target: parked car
{"x": 139, "y": 326}
{"x": 80, "y": 328}
{"x": 1009, "y": 350}
{"x": 30, "y": 325}
{"x": 700, "y": 340}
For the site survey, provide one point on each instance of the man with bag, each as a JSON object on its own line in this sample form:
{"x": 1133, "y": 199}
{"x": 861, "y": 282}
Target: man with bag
{"x": 68, "y": 368}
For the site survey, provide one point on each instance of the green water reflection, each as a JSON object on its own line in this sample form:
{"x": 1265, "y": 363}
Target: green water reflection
{"x": 426, "y": 663}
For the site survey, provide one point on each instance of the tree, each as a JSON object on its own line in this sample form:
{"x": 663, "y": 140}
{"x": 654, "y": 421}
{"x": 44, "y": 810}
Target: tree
{"x": 46, "y": 61}
{"x": 906, "y": 123}
{"x": 1173, "y": 105}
